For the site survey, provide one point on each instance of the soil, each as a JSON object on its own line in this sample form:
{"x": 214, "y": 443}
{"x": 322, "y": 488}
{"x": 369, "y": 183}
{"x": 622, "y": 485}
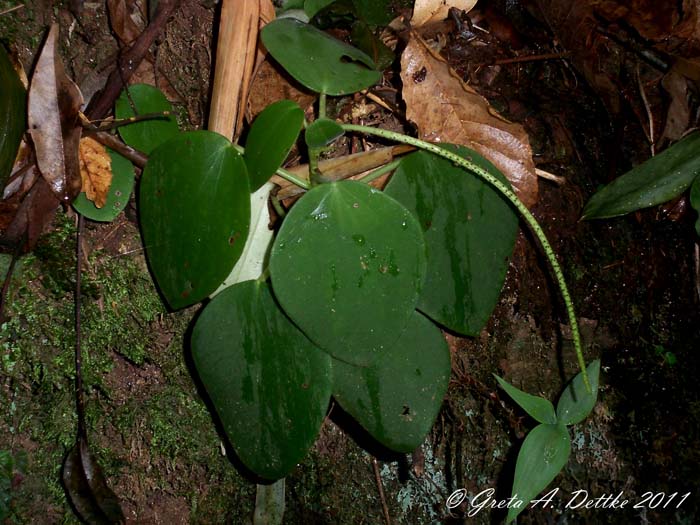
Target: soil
{"x": 633, "y": 280}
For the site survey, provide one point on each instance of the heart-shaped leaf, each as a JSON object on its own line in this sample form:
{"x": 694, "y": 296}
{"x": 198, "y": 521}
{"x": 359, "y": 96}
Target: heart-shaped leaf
{"x": 659, "y": 179}
{"x": 347, "y": 267}
{"x": 469, "y": 232}
{"x": 269, "y": 385}
{"x": 317, "y": 60}
{"x": 145, "y": 135}
{"x": 12, "y": 114}
{"x": 544, "y": 453}
{"x": 117, "y": 196}
{"x": 695, "y": 201}
{"x": 539, "y": 408}
{"x": 398, "y": 397}
{"x": 322, "y": 132}
{"x": 195, "y": 212}
{"x": 272, "y": 135}
{"x": 87, "y": 488}
{"x": 575, "y": 403}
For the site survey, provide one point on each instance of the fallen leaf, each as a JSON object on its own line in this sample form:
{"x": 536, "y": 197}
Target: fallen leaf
{"x": 122, "y": 21}
{"x": 270, "y": 85}
{"x": 32, "y": 216}
{"x": 95, "y": 171}
{"x": 54, "y": 105}
{"x": 445, "y": 109}
{"x": 429, "y": 11}
{"x": 678, "y": 116}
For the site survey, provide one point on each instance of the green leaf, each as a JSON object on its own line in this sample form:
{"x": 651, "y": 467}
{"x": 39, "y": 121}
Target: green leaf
{"x": 194, "y": 200}
{"x": 271, "y": 137}
{"x": 269, "y": 503}
{"x": 322, "y": 132}
{"x": 347, "y": 266}
{"x": 118, "y": 196}
{"x": 365, "y": 40}
{"x": 695, "y": 201}
{"x": 374, "y": 12}
{"x": 544, "y": 453}
{"x": 145, "y": 135}
{"x": 398, "y": 397}
{"x": 469, "y": 231}
{"x": 659, "y": 179}
{"x": 13, "y": 122}
{"x": 311, "y": 7}
{"x": 269, "y": 385}
{"x": 575, "y": 403}
{"x": 539, "y": 408}
{"x": 317, "y": 60}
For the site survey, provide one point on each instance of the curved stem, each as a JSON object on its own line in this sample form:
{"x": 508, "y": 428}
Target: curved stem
{"x": 387, "y": 168}
{"x": 286, "y": 175}
{"x": 512, "y": 197}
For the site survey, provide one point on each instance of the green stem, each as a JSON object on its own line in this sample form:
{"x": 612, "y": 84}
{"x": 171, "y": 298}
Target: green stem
{"x": 380, "y": 171}
{"x": 512, "y": 197}
{"x": 322, "y": 106}
{"x": 277, "y": 206}
{"x": 286, "y": 175}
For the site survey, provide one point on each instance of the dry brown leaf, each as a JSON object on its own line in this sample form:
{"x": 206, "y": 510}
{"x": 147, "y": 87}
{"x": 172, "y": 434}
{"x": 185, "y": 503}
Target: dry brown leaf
{"x": 95, "y": 171}
{"x": 124, "y": 26}
{"x": 270, "y": 85}
{"x": 429, "y": 11}
{"x": 445, "y": 109}
{"x": 54, "y": 105}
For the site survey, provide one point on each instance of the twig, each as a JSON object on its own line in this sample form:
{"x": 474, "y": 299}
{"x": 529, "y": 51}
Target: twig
{"x": 130, "y": 60}
{"x": 378, "y": 477}
{"x": 107, "y": 139}
{"x": 11, "y": 9}
{"x": 697, "y": 269}
{"x": 79, "y": 401}
{"x": 526, "y": 58}
{"x": 550, "y": 176}
{"x": 650, "y": 115}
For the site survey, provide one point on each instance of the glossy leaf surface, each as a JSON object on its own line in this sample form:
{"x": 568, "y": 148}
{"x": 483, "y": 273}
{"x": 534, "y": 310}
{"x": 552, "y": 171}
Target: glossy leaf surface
{"x": 117, "y": 197}
{"x": 317, "y": 60}
{"x": 145, "y": 135}
{"x": 269, "y": 385}
{"x": 695, "y": 201}
{"x": 271, "y": 137}
{"x": 398, "y": 397}
{"x": 539, "y": 408}
{"x": 347, "y": 266}
{"x": 12, "y": 114}
{"x": 544, "y": 453}
{"x": 322, "y": 132}
{"x": 469, "y": 232}
{"x": 195, "y": 213}
{"x": 576, "y": 403}
{"x": 659, "y": 179}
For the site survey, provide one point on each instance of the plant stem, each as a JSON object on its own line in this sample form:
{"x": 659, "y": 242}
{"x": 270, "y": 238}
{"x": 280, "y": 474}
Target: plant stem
{"x": 513, "y": 198}
{"x": 286, "y": 175}
{"x": 380, "y": 171}
{"x": 322, "y": 106}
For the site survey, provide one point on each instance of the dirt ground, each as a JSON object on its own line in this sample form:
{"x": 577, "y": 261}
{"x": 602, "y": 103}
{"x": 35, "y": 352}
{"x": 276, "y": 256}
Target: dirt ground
{"x": 632, "y": 280}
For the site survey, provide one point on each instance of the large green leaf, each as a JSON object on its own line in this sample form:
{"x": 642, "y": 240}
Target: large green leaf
{"x": 659, "y": 179}
{"x": 469, "y": 232}
{"x": 322, "y": 132}
{"x": 272, "y": 135}
{"x": 13, "y": 109}
{"x": 347, "y": 267}
{"x": 118, "y": 195}
{"x": 544, "y": 453}
{"x": 539, "y": 408}
{"x": 195, "y": 213}
{"x": 695, "y": 201}
{"x": 269, "y": 385}
{"x": 145, "y": 135}
{"x": 398, "y": 397}
{"x": 575, "y": 403}
{"x": 317, "y": 60}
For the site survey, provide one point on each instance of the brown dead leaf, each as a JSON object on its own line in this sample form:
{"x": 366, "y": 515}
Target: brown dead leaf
{"x": 95, "y": 171}
{"x": 429, "y": 11}
{"x": 122, "y": 21}
{"x": 272, "y": 84}
{"x": 445, "y": 109}
{"x": 54, "y": 105}
{"x": 32, "y": 216}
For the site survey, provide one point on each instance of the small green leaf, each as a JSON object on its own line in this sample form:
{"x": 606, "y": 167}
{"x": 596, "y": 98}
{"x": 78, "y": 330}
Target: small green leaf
{"x": 575, "y": 403}
{"x": 539, "y": 408}
{"x": 322, "y": 132}
{"x": 194, "y": 200}
{"x": 13, "y": 122}
{"x": 365, "y": 40}
{"x": 397, "y": 398}
{"x": 347, "y": 266}
{"x": 659, "y": 179}
{"x": 118, "y": 196}
{"x": 272, "y": 135}
{"x": 695, "y": 201}
{"x": 544, "y": 453}
{"x": 311, "y": 7}
{"x": 317, "y": 60}
{"x": 469, "y": 231}
{"x": 269, "y": 385}
{"x": 145, "y": 135}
